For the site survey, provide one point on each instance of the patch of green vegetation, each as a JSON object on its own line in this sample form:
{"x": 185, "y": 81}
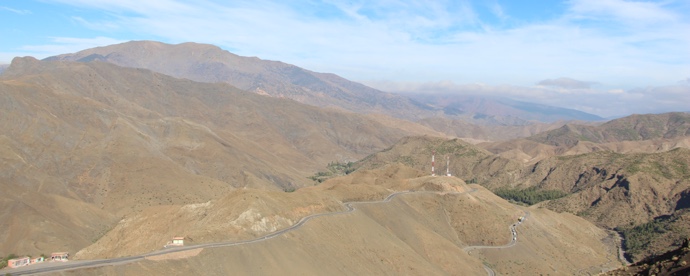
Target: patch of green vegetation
{"x": 530, "y": 196}
{"x": 681, "y": 168}
{"x": 407, "y": 160}
{"x": 634, "y": 167}
{"x": 334, "y": 169}
{"x": 3, "y": 262}
{"x": 637, "y": 238}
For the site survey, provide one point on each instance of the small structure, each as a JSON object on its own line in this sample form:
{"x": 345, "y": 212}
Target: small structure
{"x": 178, "y": 241}
{"x": 37, "y": 260}
{"x": 18, "y": 262}
{"x": 59, "y": 256}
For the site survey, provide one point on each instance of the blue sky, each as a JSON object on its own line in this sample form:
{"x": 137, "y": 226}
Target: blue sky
{"x": 626, "y": 53}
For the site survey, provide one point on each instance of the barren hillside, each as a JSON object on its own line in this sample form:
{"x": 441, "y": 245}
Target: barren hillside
{"x": 415, "y": 233}
{"x": 121, "y": 139}
{"x": 208, "y": 63}
{"x": 633, "y": 134}
{"x": 466, "y": 161}
{"x": 613, "y": 190}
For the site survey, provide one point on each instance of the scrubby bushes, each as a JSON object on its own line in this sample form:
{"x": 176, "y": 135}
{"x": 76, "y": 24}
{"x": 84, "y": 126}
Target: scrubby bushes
{"x": 3, "y": 263}
{"x": 637, "y": 238}
{"x": 334, "y": 169}
{"x": 529, "y": 195}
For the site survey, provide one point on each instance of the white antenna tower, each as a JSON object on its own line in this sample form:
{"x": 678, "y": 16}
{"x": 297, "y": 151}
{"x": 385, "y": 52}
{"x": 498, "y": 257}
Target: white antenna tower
{"x": 447, "y": 165}
{"x": 433, "y": 154}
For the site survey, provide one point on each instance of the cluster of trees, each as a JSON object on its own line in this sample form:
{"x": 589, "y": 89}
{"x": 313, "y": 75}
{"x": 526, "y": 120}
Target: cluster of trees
{"x": 529, "y": 195}
{"x": 334, "y": 169}
{"x": 3, "y": 263}
{"x": 637, "y": 238}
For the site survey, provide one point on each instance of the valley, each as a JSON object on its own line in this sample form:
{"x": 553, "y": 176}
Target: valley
{"x": 267, "y": 168}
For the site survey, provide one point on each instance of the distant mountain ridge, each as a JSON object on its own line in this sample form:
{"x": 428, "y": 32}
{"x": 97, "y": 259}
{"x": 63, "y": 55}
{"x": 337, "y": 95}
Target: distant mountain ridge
{"x": 631, "y": 128}
{"x": 498, "y": 110}
{"x": 208, "y": 63}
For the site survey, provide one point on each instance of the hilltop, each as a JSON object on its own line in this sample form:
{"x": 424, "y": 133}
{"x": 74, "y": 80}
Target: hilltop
{"x": 613, "y": 190}
{"x": 208, "y": 63}
{"x": 422, "y": 233}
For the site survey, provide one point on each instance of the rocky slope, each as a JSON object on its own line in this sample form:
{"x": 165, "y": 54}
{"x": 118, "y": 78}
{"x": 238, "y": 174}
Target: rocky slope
{"x": 674, "y": 262}
{"x": 411, "y": 234}
{"x": 633, "y": 134}
{"x": 613, "y": 190}
{"x": 208, "y": 63}
{"x": 467, "y": 161}
{"x": 630, "y": 128}
{"x": 120, "y": 139}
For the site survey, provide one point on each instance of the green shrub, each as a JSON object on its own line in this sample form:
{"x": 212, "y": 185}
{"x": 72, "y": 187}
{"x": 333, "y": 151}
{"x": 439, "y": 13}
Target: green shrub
{"x": 531, "y": 195}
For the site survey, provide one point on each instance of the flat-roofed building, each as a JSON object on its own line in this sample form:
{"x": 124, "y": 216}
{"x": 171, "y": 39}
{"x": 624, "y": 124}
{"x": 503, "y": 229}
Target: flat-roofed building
{"x": 59, "y": 256}
{"x": 18, "y": 262}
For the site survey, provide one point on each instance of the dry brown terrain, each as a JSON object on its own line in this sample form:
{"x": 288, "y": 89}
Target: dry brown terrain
{"x": 209, "y": 63}
{"x": 613, "y": 190}
{"x": 471, "y": 117}
{"x": 674, "y": 262}
{"x": 414, "y": 234}
{"x": 117, "y": 140}
{"x": 104, "y": 161}
{"x": 633, "y": 134}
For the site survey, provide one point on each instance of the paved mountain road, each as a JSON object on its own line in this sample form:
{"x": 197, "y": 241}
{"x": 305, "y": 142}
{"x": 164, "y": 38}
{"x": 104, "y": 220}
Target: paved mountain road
{"x": 349, "y": 207}
{"x": 511, "y": 243}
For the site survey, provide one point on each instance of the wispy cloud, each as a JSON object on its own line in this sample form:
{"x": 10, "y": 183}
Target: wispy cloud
{"x": 418, "y": 40}
{"x": 20, "y": 12}
{"x": 61, "y": 45}
{"x": 635, "y": 12}
{"x": 620, "y": 44}
{"x": 567, "y": 83}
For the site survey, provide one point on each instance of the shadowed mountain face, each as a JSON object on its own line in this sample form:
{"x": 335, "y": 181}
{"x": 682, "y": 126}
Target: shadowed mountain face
{"x": 120, "y": 139}
{"x": 613, "y": 190}
{"x": 208, "y": 63}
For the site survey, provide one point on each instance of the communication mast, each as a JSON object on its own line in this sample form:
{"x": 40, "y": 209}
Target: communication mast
{"x": 447, "y": 165}
{"x": 433, "y": 154}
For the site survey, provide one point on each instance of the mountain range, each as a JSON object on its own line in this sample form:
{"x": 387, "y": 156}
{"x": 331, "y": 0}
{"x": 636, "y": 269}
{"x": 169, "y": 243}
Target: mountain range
{"x": 208, "y": 63}
{"x": 111, "y": 151}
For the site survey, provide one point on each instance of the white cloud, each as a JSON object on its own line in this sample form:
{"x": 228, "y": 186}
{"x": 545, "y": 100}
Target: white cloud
{"x": 620, "y": 44}
{"x": 62, "y": 45}
{"x": 20, "y": 12}
{"x": 421, "y": 41}
{"x": 628, "y": 11}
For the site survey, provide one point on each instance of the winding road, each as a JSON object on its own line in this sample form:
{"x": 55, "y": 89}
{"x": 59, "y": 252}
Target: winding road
{"x": 349, "y": 207}
{"x": 511, "y": 243}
